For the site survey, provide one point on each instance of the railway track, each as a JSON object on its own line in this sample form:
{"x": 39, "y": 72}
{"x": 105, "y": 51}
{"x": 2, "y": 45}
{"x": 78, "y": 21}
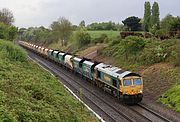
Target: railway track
{"x": 111, "y": 114}
{"x": 153, "y": 113}
{"x": 108, "y": 111}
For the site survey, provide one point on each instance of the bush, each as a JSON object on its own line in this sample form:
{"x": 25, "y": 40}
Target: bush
{"x": 3, "y": 31}
{"x": 153, "y": 55}
{"x": 7, "y": 32}
{"x": 82, "y": 37}
{"x": 176, "y": 57}
{"x": 171, "y": 97}
{"x": 12, "y": 52}
{"x": 100, "y": 39}
{"x": 133, "y": 44}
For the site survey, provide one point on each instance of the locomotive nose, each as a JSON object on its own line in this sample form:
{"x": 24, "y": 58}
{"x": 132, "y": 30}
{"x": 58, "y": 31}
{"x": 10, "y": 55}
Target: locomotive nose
{"x": 132, "y": 91}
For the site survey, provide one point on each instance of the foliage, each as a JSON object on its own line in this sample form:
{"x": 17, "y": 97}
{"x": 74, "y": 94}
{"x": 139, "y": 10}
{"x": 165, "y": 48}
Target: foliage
{"x": 97, "y": 34}
{"x": 82, "y": 23}
{"x": 132, "y": 23}
{"x": 171, "y": 98}
{"x": 147, "y": 16}
{"x": 82, "y": 37}
{"x": 62, "y": 30}
{"x": 7, "y": 32}
{"x": 74, "y": 27}
{"x": 12, "y": 52}
{"x": 3, "y": 31}
{"x": 6, "y": 16}
{"x": 132, "y": 45}
{"x": 101, "y": 39}
{"x": 155, "y": 21}
{"x": 135, "y": 51}
{"x": 175, "y": 54}
{"x": 28, "y": 93}
{"x": 153, "y": 55}
{"x": 167, "y": 22}
{"x": 12, "y": 33}
{"x": 36, "y": 35}
{"x": 175, "y": 26}
{"x": 103, "y": 26}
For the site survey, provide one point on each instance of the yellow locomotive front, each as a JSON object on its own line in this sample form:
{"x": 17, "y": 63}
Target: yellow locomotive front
{"x": 132, "y": 89}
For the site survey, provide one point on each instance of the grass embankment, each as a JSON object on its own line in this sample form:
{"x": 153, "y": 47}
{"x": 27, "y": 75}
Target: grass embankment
{"x": 28, "y": 93}
{"x": 158, "y": 61}
{"x": 110, "y": 34}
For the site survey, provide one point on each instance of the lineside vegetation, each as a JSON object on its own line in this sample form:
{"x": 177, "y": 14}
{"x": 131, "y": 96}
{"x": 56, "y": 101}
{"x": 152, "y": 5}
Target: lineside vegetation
{"x": 28, "y": 93}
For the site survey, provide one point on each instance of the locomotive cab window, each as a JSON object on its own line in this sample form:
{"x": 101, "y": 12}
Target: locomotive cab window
{"x": 127, "y": 82}
{"x": 137, "y": 81}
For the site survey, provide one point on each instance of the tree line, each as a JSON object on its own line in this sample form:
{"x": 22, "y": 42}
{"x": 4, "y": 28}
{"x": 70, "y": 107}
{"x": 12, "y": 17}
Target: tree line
{"x": 63, "y": 30}
{"x": 7, "y": 30}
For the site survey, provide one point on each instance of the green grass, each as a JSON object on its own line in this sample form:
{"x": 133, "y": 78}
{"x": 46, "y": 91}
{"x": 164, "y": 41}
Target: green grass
{"x": 171, "y": 98}
{"x": 110, "y": 34}
{"x": 28, "y": 93}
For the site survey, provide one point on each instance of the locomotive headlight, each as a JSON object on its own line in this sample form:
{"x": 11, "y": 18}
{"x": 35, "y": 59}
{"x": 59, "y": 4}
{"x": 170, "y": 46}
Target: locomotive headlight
{"x": 140, "y": 91}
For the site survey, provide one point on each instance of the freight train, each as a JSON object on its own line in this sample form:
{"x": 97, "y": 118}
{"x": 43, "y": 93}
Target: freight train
{"x": 125, "y": 85}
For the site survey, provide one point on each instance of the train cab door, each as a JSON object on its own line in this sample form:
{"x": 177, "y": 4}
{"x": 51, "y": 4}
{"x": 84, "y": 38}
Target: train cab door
{"x": 114, "y": 83}
{"x": 98, "y": 74}
{"x": 115, "y": 91}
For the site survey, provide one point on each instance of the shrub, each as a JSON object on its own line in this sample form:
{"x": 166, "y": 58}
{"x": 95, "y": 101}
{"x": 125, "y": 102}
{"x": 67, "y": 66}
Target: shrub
{"x": 100, "y": 39}
{"x": 115, "y": 41}
{"x": 12, "y": 52}
{"x": 176, "y": 57}
{"x": 171, "y": 97}
{"x": 82, "y": 37}
{"x": 153, "y": 55}
{"x": 132, "y": 45}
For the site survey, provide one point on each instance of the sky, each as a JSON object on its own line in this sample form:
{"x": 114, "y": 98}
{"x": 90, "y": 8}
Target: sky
{"x": 30, "y": 13}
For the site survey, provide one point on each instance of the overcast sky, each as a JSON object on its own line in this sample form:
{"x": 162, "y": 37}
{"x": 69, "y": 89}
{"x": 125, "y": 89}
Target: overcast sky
{"x": 43, "y": 12}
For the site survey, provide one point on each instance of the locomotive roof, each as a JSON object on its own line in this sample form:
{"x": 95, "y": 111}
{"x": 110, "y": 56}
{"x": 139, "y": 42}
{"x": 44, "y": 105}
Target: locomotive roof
{"x": 88, "y": 63}
{"x": 114, "y": 71}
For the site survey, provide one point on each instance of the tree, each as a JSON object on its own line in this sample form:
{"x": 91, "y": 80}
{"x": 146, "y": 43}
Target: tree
{"x": 6, "y": 16}
{"x": 82, "y": 23}
{"x": 103, "y": 26}
{"x": 40, "y": 35}
{"x": 155, "y": 16}
{"x": 74, "y": 27}
{"x": 62, "y": 29}
{"x": 132, "y": 23}
{"x": 132, "y": 45}
{"x": 12, "y": 32}
{"x": 3, "y": 31}
{"x": 147, "y": 16}
{"x": 82, "y": 37}
{"x": 175, "y": 25}
{"x": 166, "y": 23}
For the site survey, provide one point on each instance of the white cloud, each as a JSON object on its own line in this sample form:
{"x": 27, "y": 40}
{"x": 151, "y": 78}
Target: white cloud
{"x": 44, "y": 12}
